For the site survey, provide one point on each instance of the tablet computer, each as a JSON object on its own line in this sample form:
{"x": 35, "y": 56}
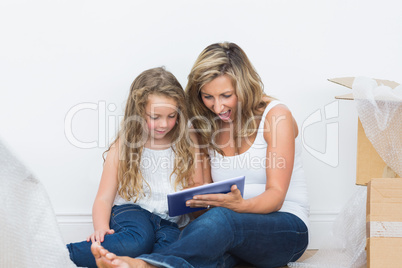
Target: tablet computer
{"x": 177, "y": 201}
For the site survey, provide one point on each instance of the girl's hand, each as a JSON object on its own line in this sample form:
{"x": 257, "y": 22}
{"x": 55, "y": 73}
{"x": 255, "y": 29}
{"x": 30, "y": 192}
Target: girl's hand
{"x": 232, "y": 200}
{"x": 99, "y": 236}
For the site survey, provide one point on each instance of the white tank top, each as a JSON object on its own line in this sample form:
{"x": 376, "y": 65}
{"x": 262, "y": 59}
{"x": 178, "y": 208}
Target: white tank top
{"x": 156, "y": 167}
{"x": 252, "y": 164}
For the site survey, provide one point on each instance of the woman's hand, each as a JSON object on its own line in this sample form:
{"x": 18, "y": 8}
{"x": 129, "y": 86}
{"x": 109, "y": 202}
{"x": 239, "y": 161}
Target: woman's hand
{"x": 99, "y": 235}
{"x": 232, "y": 200}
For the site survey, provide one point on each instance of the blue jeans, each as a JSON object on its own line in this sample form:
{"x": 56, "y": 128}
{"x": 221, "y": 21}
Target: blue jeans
{"x": 222, "y": 237}
{"x": 137, "y": 231}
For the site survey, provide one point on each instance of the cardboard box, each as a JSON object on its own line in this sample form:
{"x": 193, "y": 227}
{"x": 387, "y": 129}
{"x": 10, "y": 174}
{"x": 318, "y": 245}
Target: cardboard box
{"x": 369, "y": 164}
{"x": 384, "y": 223}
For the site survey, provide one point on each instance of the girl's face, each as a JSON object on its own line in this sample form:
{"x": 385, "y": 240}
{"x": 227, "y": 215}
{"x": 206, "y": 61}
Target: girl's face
{"x": 161, "y": 115}
{"x": 219, "y": 96}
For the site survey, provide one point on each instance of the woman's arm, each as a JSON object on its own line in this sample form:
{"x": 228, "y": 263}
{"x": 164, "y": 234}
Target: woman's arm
{"x": 280, "y": 131}
{"x": 104, "y": 199}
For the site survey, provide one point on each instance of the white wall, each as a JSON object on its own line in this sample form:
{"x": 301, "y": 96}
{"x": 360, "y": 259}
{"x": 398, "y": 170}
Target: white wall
{"x": 55, "y": 55}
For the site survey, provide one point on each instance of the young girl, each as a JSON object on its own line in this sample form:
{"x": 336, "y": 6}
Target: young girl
{"x": 152, "y": 156}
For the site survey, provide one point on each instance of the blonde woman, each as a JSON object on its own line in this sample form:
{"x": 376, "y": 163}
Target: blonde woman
{"x": 151, "y": 157}
{"x": 244, "y": 132}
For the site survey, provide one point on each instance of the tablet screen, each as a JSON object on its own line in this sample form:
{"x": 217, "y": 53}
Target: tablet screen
{"x": 177, "y": 201}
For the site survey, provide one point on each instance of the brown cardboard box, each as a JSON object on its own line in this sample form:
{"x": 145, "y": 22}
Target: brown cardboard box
{"x": 369, "y": 164}
{"x": 384, "y": 223}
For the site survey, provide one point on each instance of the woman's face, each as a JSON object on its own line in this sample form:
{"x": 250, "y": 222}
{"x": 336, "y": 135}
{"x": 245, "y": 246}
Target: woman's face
{"x": 219, "y": 96}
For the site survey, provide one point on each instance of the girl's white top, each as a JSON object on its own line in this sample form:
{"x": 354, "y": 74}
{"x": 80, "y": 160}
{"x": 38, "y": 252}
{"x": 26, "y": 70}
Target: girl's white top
{"x": 156, "y": 167}
{"x": 253, "y": 163}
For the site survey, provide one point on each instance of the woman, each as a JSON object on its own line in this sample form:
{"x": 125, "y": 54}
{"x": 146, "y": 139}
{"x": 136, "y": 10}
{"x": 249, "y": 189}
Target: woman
{"x": 244, "y": 132}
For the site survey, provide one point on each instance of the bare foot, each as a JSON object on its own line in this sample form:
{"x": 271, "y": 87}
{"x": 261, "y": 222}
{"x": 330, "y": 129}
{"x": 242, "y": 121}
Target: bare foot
{"x": 106, "y": 259}
{"x": 101, "y": 261}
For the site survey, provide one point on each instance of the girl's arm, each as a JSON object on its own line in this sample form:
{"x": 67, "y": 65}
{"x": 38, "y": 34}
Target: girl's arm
{"x": 206, "y": 168}
{"x": 280, "y": 131}
{"x": 199, "y": 174}
{"x": 104, "y": 199}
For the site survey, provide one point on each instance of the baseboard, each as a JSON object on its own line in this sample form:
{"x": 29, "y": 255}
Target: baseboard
{"x": 76, "y": 227}
{"x": 320, "y": 225}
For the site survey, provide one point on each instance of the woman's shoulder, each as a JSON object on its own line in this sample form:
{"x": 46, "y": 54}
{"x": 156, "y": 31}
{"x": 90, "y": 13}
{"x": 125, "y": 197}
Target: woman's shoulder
{"x": 273, "y": 106}
{"x": 278, "y": 109}
{"x": 279, "y": 113}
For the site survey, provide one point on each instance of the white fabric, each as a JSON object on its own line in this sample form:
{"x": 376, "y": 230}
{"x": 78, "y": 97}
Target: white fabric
{"x": 29, "y": 234}
{"x": 156, "y": 168}
{"x": 253, "y": 163}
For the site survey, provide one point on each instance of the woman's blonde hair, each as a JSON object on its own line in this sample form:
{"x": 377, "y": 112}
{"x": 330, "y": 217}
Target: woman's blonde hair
{"x": 224, "y": 59}
{"x": 131, "y": 137}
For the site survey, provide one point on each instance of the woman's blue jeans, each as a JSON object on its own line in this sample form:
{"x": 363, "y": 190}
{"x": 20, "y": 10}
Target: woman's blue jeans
{"x": 137, "y": 231}
{"x": 222, "y": 237}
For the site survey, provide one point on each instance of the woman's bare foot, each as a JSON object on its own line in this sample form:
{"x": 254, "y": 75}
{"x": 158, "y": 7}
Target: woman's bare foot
{"x": 106, "y": 259}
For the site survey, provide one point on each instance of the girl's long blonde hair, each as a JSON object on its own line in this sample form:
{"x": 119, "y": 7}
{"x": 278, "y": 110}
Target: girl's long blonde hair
{"x": 224, "y": 59}
{"x": 133, "y": 133}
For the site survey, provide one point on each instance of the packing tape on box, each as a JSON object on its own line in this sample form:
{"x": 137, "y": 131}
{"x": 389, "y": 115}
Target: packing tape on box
{"x": 384, "y": 229}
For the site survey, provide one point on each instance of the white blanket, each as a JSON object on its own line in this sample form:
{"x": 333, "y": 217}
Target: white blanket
{"x": 29, "y": 234}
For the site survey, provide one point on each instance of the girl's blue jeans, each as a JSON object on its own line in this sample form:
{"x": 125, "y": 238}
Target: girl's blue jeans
{"x": 137, "y": 231}
{"x": 222, "y": 237}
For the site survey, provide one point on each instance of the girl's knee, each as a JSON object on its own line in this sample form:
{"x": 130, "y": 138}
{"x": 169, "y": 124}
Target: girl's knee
{"x": 135, "y": 246}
